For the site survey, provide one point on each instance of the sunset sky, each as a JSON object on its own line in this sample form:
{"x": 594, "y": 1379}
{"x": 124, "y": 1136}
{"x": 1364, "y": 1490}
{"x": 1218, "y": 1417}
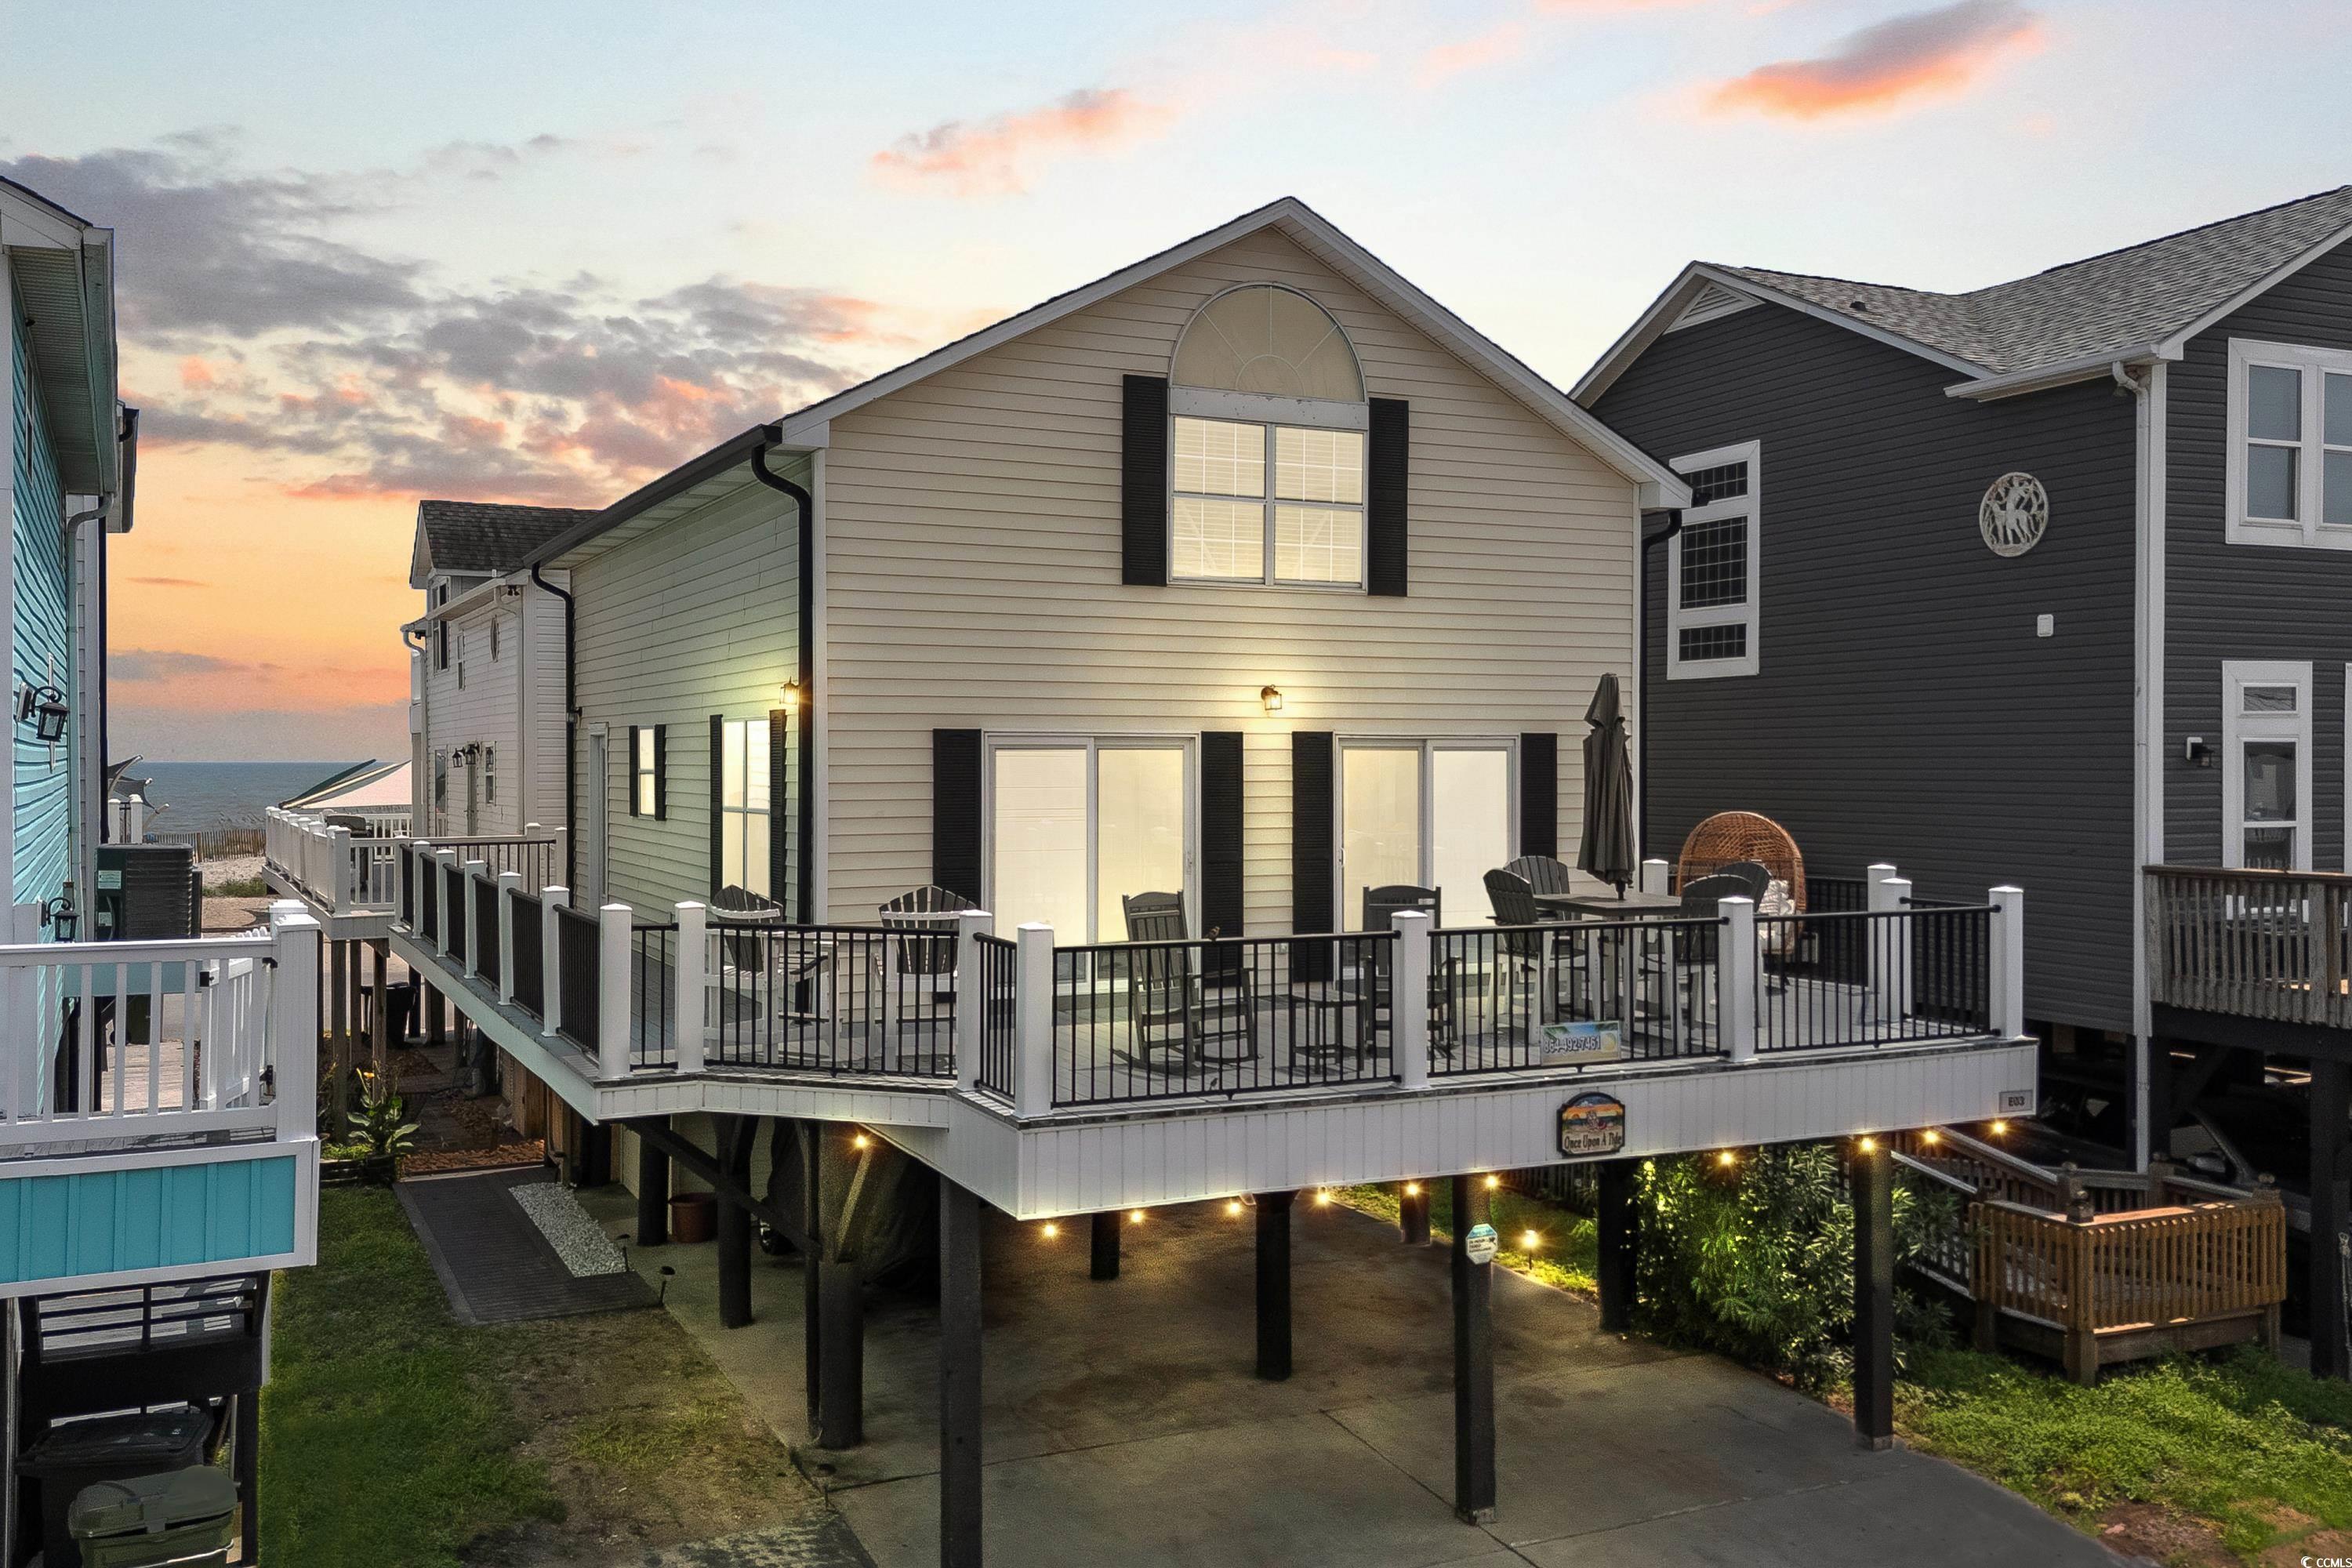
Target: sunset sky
{"x": 542, "y": 252}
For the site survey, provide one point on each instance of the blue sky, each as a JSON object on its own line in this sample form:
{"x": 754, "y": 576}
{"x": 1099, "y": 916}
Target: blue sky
{"x": 539, "y": 253}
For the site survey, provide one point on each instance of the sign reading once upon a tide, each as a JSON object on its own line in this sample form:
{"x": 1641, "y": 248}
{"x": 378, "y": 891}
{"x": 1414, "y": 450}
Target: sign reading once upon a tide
{"x": 1592, "y": 1125}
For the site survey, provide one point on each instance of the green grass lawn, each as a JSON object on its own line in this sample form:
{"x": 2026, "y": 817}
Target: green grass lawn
{"x": 383, "y": 1441}
{"x": 1564, "y": 1247}
{"x": 2259, "y": 1450}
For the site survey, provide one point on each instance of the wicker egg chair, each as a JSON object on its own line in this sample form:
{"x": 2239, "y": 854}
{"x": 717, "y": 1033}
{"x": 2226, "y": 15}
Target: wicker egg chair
{"x": 1730, "y": 837}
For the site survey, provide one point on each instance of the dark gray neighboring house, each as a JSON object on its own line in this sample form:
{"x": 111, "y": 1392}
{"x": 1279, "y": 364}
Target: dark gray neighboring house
{"x": 2049, "y": 581}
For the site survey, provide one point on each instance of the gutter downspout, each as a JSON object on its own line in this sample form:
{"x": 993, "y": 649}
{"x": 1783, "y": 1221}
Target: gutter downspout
{"x": 805, "y": 715}
{"x": 86, "y": 789}
{"x": 1642, "y": 686}
{"x": 420, "y": 778}
{"x": 571, "y": 723}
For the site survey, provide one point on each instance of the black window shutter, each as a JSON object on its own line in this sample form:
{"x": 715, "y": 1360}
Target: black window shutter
{"x": 1144, "y": 482}
{"x": 1310, "y": 850}
{"x": 1539, "y": 793}
{"x": 441, "y": 643}
{"x": 661, "y": 772}
{"x": 717, "y": 802}
{"x": 955, "y": 811}
{"x": 1388, "y": 462}
{"x": 1221, "y": 833}
{"x": 780, "y": 843}
{"x": 633, "y": 772}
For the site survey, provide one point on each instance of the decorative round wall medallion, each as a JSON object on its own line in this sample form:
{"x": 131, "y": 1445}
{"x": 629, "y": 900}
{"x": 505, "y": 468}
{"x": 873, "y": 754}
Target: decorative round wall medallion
{"x": 2015, "y": 513}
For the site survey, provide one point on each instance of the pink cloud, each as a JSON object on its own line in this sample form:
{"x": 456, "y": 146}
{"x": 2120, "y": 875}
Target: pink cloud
{"x": 994, "y": 156}
{"x": 1924, "y": 53}
{"x": 1496, "y": 44}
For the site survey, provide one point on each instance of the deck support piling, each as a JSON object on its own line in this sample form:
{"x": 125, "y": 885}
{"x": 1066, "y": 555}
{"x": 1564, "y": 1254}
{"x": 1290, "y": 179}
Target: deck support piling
{"x": 841, "y": 1420}
{"x": 248, "y": 1444}
{"x": 1620, "y": 1248}
{"x": 1474, "y": 1362}
{"x": 1413, "y": 1213}
{"x": 959, "y": 1343}
{"x": 1103, "y": 1260}
{"x": 379, "y": 1018}
{"x": 1274, "y": 1285}
{"x": 1872, "y": 1170}
{"x": 437, "y": 1022}
{"x": 653, "y": 1191}
{"x": 813, "y": 1228}
{"x": 2331, "y": 1099}
{"x": 339, "y": 1036}
{"x": 733, "y": 1227}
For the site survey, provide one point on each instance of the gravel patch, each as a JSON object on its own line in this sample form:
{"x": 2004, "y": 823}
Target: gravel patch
{"x": 577, "y": 1238}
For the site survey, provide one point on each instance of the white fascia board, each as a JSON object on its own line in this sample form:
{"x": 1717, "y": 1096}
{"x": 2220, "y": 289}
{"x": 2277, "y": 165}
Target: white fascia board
{"x": 1647, "y": 328}
{"x": 1302, "y": 224}
{"x": 1871, "y": 329}
{"x": 98, "y": 328}
{"x": 2177, "y": 344}
{"x": 30, "y": 223}
{"x": 2088, "y": 367}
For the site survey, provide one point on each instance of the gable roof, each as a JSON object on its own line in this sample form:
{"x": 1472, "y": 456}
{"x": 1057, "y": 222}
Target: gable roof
{"x": 806, "y": 430}
{"x": 482, "y": 536}
{"x": 2143, "y": 301}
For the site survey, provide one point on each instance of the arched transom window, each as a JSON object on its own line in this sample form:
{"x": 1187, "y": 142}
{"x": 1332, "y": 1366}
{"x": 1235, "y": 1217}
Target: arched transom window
{"x": 1268, "y": 419}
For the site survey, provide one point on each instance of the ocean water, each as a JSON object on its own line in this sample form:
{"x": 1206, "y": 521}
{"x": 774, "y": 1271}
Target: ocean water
{"x": 210, "y": 798}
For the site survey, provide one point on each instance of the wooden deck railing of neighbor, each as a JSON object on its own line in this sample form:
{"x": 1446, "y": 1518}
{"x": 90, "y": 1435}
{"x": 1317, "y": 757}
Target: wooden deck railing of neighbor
{"x": 2094, "y": 1267}
{"x": 1043, "y": 1026}
{"x": 2258, "y": 944}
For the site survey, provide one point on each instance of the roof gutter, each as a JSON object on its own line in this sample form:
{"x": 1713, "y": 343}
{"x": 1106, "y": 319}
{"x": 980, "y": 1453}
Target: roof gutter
{"x": 2085, "y": 367}
{"x": 1641, "y": 682}
{"x": 571, "y": 723}
{"x": 675, "y": 483}
{"x": 804, "y": 673}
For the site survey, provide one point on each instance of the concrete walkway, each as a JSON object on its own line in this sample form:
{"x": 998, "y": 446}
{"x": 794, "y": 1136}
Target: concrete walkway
{"x": 1124, "y": 1426}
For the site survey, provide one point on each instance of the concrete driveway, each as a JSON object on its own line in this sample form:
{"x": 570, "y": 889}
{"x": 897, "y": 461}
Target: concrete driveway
{"x": 1124, "y": 1426}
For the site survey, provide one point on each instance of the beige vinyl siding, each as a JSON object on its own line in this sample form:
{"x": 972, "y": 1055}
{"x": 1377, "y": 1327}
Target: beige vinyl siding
{"x": 973, "y": 580}
{"x": 693, "y": 618}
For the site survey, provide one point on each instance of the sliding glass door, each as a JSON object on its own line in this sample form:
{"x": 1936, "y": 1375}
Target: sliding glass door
{"x": 1076, "y": 825}
{"x": 1425, "y": 813}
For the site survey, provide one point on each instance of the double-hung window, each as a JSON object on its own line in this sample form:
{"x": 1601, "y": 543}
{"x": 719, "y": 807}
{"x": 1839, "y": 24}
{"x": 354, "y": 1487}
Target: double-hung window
{"x": 1077, "y": 825}
{"x": 489, "y": 775}
{"x": 1229, "y": 524}
{"x": 744, "y": 820}
{"x": 648, "y": 770}
{"x": 1712, "y": 577}
{"x": 2290, "y": 452}
{"x": 2266, "y": 753}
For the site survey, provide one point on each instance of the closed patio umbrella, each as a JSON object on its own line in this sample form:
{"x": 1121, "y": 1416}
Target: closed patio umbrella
{"x": 1607, "y": 850}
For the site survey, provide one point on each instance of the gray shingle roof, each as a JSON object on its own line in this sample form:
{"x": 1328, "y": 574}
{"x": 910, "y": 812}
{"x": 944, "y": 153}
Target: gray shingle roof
{"x": 481, "y": 536}
{"x": 2122, "y": 300}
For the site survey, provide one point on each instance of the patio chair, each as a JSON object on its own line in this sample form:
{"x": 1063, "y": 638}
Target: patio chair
{"x": 920, "y": 968}
{"x": 1542, "y": 873}
{"x": 1169, "y": 1005}
{"x": 1519, "y": 952}
{"x": 1698, "y": 954}
{"x": 1731, "y": 837}
{"x": 1382, "y": 906}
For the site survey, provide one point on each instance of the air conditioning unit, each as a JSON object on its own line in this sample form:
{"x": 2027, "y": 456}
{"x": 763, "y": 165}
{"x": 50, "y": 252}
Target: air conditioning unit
{"x": 147, "y": 892}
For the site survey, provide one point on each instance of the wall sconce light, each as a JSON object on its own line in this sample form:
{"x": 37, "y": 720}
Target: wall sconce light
{"x": 44, "y": 705}
{"x": 60, "y": 916}
{"x": 2199, "y": 754}
{"x": 1271, "y": 696}
{"x": 792, "y": 696}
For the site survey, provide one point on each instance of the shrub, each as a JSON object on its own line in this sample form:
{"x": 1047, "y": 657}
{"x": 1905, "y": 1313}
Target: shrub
{"x": 1755, "y": 1260}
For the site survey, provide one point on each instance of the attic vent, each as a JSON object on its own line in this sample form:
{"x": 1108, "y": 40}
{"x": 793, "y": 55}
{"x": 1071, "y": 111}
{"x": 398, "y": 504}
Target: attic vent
{"x": 1714, "y": 300}
{"x": 1861, "y": 307}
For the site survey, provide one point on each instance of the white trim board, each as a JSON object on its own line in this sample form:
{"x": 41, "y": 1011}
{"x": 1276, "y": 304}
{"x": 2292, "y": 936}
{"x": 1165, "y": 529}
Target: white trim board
{"x": 1301, "y": 223}
{"x": 2238, "y": 728}
{"x": 1750, "y": 612}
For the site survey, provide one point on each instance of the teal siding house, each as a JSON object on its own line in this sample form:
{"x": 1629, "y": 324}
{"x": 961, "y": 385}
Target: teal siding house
{"x": 157, "y": 1110}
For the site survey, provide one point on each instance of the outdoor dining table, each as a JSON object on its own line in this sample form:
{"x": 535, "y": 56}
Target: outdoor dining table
{"x": 1620, "y": 977}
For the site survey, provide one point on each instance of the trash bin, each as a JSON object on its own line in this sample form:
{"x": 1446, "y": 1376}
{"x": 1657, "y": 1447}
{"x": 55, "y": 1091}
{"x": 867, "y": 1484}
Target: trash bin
{"x": 183, "y": 1518}
{"x": 76, "y": 1454}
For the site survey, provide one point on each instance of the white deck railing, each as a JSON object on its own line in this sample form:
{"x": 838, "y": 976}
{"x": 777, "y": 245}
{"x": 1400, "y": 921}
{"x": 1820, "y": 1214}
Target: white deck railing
{"x": 343, "y": 873}
{"x": 1045, "y": 1026}
{"x": 113, "y": 1040}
